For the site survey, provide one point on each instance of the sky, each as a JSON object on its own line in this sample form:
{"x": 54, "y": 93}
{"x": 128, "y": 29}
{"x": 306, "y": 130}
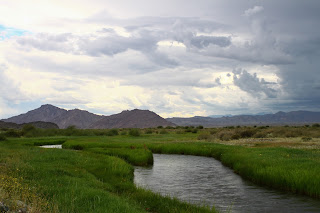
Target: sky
{"x": 176, "y": 58}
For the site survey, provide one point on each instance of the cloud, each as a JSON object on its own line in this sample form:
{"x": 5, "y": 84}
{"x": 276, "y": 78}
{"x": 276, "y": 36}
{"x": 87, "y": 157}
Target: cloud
{"x": 9, "y": 90}
{"x": 204, "y": 41}
{"x": 252, "y": 84}
{"x": 253, "y": 11}
{"x": 175, "y": 60}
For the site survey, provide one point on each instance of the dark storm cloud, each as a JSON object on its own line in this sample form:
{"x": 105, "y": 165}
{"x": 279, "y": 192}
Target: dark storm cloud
{"x": 204, "y": 41}
{"x": 252, "y": 84}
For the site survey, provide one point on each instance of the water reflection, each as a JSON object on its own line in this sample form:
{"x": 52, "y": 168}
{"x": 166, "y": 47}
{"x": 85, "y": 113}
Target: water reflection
{"x": 52, "y": 146}
{"x": 203, "y": 180}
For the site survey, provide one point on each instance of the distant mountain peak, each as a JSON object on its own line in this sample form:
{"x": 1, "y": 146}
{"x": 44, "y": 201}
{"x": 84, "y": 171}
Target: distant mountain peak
{"x": 135, "y": 118}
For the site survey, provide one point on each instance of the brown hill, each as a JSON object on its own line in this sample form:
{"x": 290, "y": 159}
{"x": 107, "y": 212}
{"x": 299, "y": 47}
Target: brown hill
{"x": 79, "y": 118}
{"x": 83, "y": 119}
{"x": 131, "y": 119}
{"x": 45, "y": 113}
{"x": 63, "y": 118}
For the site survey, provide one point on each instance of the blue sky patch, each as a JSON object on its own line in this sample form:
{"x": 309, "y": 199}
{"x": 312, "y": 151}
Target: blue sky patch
{"x": 7, "y": 32}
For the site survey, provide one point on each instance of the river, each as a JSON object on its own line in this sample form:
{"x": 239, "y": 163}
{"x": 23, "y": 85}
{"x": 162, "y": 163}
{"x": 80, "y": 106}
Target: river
{"x": 205, "y": 181}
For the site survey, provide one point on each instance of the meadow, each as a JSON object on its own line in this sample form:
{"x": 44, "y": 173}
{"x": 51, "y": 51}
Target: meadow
{"x": 94, "y": 171}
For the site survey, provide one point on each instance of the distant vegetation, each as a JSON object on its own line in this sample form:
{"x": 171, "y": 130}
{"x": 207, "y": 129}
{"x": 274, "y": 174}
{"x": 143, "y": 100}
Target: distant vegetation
{"x": 222, "y": 133}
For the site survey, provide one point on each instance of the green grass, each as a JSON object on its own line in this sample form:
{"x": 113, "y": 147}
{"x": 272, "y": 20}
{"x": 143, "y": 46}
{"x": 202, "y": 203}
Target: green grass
{"x": 287, "y": 169}
{"x": 81, "y": 181}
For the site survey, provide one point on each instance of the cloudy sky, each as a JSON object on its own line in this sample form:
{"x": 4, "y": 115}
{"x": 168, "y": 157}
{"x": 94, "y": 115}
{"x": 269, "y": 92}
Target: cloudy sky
{"x": 174, "y": 57}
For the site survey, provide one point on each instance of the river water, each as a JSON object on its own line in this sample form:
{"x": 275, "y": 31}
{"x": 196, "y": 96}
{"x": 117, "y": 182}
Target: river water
{"x": 205, "y": 181}
{"x": 59, "y": 146}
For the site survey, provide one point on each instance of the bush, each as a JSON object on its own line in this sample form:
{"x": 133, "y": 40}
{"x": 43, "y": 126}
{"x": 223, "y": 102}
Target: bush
{"x": 213, "y": 131}
{"x": 235, "y": 137}
{"x": 70, "y": 130}
{"x": 149, "y": 131}
{"x": 163, "y": 132}
{"x": 134, "y": 132}
{"x": 194, "y": 131}
{"x": 200, "y": 127}
{"x": 204, "y": 136}
{"x": 247, "y": 133}
{"x": 2, "y": 137}
{"x": 112, "y": 132}
{"x": 260, "y": 135}
{"x": 12, "y": 133}
{"x": 224, "y": 135}
{"x": 28, "y": 128}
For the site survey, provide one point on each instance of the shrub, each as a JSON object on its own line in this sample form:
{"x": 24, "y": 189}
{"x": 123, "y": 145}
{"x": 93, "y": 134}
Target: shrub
{"x": 247, "y": 133}
{"x": 70, "y": 130}
{"x": 123, "y": 132}
{"x": 200, "y": 127}
{"x": 315, "y": 125}
{"x": 224, "y": 135}
{"x": 28, "y": 128}
{"x": 235, "y": 136}
{"x": 134, "y": 132}
{"x": 149, "y": 131}
{"x": 213, "y": 131}
{"x": 260, "y": 135}
{"x": 12, "y": 133}
{"x": 2, "y": 137}
{"x": 163, "y": 132}
{"x": 194, "y": 131}
{"x": 160, "y": 127}
{"x": 204, "y": 136}
{"x": 112, "y": 132}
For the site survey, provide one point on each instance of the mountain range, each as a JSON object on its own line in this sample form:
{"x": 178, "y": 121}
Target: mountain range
{"x": 279, "y": 118}
{"x": 48, "y": 115}
{"x": 85, "y": 120}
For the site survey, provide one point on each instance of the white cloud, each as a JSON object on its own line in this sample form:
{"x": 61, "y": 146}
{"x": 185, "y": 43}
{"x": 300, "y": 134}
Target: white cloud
{"x": 253, "y": 11}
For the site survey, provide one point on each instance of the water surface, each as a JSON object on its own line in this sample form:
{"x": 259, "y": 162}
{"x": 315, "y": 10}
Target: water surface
{"x": 52, "y": 146}
{"x": 203, "y": 180}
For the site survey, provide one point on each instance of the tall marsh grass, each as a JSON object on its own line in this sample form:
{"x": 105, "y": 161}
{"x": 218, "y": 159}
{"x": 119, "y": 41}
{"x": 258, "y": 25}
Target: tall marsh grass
{"x": 83, "y": 181}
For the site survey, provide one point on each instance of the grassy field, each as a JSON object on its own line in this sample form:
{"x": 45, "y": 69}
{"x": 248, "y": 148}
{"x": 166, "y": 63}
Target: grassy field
{"x": 95, "y": 173}
{"x": 51, "y": 180}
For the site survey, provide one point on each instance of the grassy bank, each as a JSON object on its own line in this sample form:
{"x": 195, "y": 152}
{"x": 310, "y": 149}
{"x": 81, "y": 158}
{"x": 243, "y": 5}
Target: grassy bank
{"x": 287, "y": 169}
{"x": 76, "y": 181}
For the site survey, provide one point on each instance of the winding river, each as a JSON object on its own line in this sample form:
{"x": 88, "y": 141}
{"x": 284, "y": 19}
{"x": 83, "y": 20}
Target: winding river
{"x": 205, "y": 181}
